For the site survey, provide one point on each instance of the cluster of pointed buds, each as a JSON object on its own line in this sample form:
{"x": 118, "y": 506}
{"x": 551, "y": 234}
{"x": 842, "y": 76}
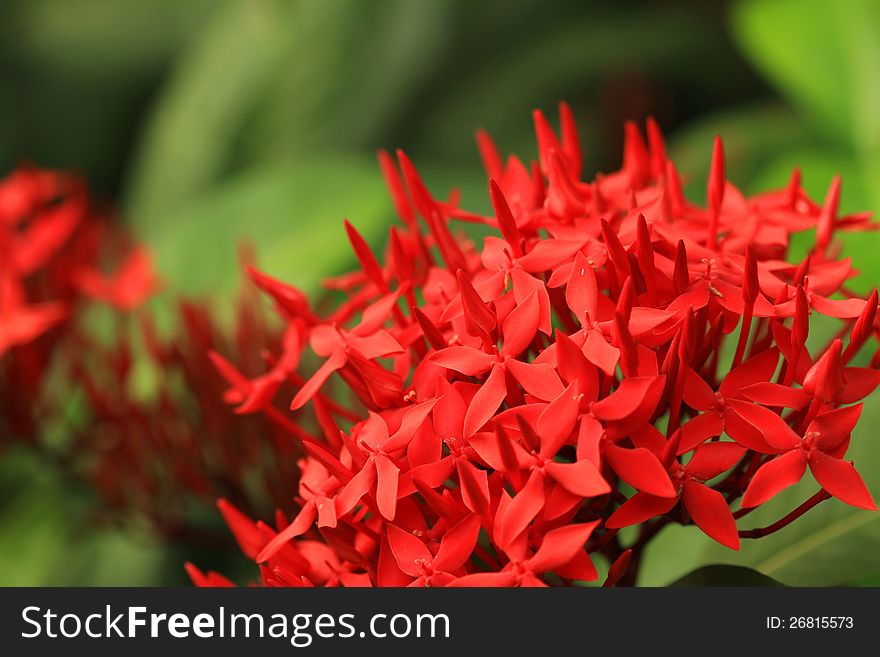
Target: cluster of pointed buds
{"x": 52, "y": 247}
{"x": 615, "y": 355}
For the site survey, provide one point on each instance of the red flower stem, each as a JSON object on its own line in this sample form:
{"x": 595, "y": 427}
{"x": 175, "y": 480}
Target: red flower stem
{"x": 812, "y": 412}
{"x": 816, "y": 499}
{"x": 287, "y": 424}
{"x": 563, "y": 314}
{"x": 739, "y": 479}
{"x": 677, "y": 394}
{"x": 742, "y": 513}
{"x": 647, "y": 531}
{"x": 487, "y": 558}
{"x": 763, "y": 339}
{"x": 607, "y": 537}
{"x": 744, "y": 331}
{"x": 731, "y": 480}
{"x": 791, "y": 366}
{"x": 613, "y": 283}
{"x": 713, "y": 230}
{"x": 711, "y": 370}
{"x": 332, "y": 404}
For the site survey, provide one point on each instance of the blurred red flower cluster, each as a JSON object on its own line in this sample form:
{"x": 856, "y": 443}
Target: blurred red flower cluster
{"x": 614, "y": 355}
{"x": 51, "y": 246}
{"x": 70, "y": 348}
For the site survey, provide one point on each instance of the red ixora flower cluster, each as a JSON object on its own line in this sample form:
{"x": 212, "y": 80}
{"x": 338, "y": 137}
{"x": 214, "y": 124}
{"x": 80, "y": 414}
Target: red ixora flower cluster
{"x": 616, "y": 356}
{"x": 52, "y": 247}
{"x": 67, "y": 392}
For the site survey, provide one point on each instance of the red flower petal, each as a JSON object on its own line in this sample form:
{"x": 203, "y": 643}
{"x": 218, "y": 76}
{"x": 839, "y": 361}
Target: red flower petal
{"x": 840, "y": 479}
{"x": 466, "y": 360}
{"x": 557, "y": 421}
{"x": 757, "y": 368}
{"x": 641, "y": 469}
{"x": 775, "y": 476}
{"x": 775, "y": 430}
{"x": 412, "y": 421}
{"x": 474, "y": 486}
{"x": 298, "y": 527}
{"x": 479, "y": 318}
{"x": 581, "y": 478}
{"x": 486, "y": 401}
{"x": 560, "y": 546}
{"x": 841, "y": 308}
{"x": 697, "y": 393}
{"x": 520, "y": 326}
{"x": 712, "y": 459}
{"x": 310, "y": 388}
{"x": 365, "y": 257}
{"x": 523, "y": 285}
{"x": 386, "y": 486}
{"x": 582, "y": 291}
{"x": 698, "y": 429}
{"x": 627, "y": 400}
{"x": 538, "y": 379}
{"x": 774, "y": 394}
{"x": 457, "y": 544}
{"x": 521, "y": 510}
{"x": 355, "y": 489}
{"x": 639, "y": 508}
{"x": 407, "y": 550}
{"x": 600, "y": 353}
{"x": 835, "y": 426}
{"x": 503, "y": 579}
{"x": 710, "y": 512}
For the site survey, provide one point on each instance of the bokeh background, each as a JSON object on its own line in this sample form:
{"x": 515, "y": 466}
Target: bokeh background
{"x": 206, "y": 123}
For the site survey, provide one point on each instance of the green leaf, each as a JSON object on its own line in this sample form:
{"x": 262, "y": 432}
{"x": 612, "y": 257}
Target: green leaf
{"x": 47, "y": 537}
{"x": 872, "y": 581}
{"x": 31, "y": 515}
{"x": 824, "y": 56}
{"x": 292, "y": 214}
{"x": 538, "y": 67}
{"x": 722, "y": 575}
{"x": 272, "y": 80}
{"x": 189, "y": 136}
{"x": 363, "y": 65}
{"x": 88, "y": 39}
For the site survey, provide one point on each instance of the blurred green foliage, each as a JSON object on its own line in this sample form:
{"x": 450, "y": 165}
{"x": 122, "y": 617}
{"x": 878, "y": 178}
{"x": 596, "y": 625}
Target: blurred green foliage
{"x": 212, "y": 122}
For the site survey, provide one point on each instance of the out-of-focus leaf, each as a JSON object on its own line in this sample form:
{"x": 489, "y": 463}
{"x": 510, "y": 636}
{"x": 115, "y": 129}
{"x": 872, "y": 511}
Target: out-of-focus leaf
{"x": 824, "y": 56}
{"x": 348, "y": 76}
{"x": 112, "y": 557}
{"x": 872, "y": 581}
{"x": 31, "y": 519}
{"x": 724, "y": 575}
{"x": 95, "y": 39}
{"x": 270, "y": 79}
{"x": 292, "y": 214}
{"x": 576, "y": 55}
{"x": 188, "y": 139}
{"x": 753, "y": 136}
{"x": 46, "y": 540}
